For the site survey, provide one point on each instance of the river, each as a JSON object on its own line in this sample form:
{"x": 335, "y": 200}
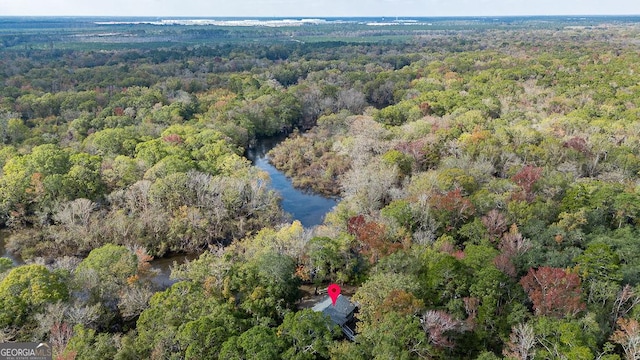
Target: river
{"x": 304, "y": 206}
{"x": 4, "y": 253}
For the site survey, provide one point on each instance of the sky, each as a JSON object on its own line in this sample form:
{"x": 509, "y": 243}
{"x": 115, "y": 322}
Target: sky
{"x": 316, "y": 8}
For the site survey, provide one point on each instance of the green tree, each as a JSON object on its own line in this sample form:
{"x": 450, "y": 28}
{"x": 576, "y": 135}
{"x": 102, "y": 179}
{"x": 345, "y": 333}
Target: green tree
{"x": 447, "y": 281}
{"x": 169, "y": 165}
{"x": 325, "y": 258}
{"x": 152, "y": 151}
{"x": 373, "y": 293}
{"x": 348, "y": 350}
{"x": 391, "y": 115}
{"x": 568, "y": 339}
{"x": 87, "y": 344}
{"x": 203, "y": 338}
{"x": 48, "y": 159}
{"x": 396, "y": 336}
{"x": 84, "y": 180}
{"x": 5, "y": 264}
{"x": 14, "y": 131}
{"x": 121, "y": 172}
{"x": 259, "y": 343}
{"x": 105, "y": 271}
{"x": 400, "y": 211}
{"x": 159, "y": 325}
{"x": 34, "y": 181}
{"x": 307, "y": 335}
{"x": 112, "y": 142}
{"x": 601, "y": 275}
{"x": 264, "y": 286}
{"x": 26, "y": 290}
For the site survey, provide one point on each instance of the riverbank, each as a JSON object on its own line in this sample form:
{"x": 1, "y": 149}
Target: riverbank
{"x": 306, "y": 206}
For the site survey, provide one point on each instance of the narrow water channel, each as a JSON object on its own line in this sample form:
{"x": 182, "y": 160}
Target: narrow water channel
{"x": 5, "y": 254}
{"x": 304, "y": 206}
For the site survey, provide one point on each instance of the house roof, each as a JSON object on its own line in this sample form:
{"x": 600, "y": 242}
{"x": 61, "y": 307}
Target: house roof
{"x": 340, "y": 313}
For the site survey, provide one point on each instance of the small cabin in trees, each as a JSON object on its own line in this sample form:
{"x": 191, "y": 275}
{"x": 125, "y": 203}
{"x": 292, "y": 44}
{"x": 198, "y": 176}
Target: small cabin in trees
{"x": 341, "y": 314}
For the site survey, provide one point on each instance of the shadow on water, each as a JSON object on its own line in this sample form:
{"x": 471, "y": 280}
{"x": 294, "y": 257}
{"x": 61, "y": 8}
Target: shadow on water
{"x": 304, "y": 206}
{"x": 5, "y": 254}
{"x": 159, "y": 276}
{"x": 161, "y": 269}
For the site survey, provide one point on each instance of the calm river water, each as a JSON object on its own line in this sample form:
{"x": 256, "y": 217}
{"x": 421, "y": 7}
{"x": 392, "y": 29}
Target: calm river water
{"x": 307, "y": 207}
{"x": 5, "y": 253}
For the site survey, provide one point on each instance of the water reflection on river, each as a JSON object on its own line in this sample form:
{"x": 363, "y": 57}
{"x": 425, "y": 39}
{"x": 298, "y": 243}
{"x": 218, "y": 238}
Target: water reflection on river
{"x": 160, "y": 275}
{"x": 161, "y": 269}
{"x": 306, "y": 207}
{"x": 4, "y": 253}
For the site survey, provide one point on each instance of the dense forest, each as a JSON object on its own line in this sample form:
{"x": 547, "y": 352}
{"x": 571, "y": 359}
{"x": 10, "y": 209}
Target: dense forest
{"x": 489, "y": 186}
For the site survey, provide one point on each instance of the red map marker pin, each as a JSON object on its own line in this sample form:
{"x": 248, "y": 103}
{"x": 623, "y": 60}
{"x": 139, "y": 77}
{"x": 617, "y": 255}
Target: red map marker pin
{"x": 334, "y": 292}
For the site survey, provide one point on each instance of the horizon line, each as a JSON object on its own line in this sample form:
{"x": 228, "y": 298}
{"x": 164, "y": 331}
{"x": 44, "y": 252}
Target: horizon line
{"x": 325, "y": 17}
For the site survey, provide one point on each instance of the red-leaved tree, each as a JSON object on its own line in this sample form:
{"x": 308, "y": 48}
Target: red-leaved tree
{"x": 578, "y": 144}
{"x": 452, "y": 208}
{"x": 420, "y": 151}
{"x": 173, "y": 139}
{"x": 553, "y": 291}
{"x": 526, "y": 178}
{"x": 372, "y": 237}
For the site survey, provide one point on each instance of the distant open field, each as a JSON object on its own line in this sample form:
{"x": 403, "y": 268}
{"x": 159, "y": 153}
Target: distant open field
{"x": 99, "y": 33}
